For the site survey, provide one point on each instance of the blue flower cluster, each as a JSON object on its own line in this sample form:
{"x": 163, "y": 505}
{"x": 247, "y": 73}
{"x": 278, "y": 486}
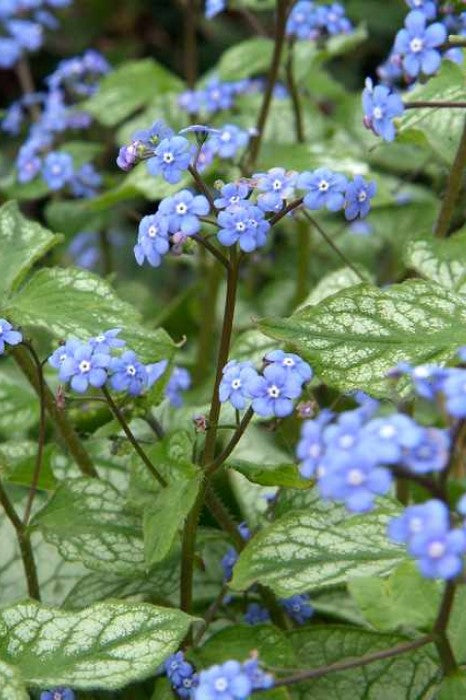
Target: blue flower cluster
{"x": 58, "y": 694}
{"x": 8, "y": 336}
{"x": 350, "y": 455}
{"x": 437, "y": 547}
{"x": 381, "y": 105}
{"x": 272, "y": 392}
{"x": 91, "y": 363}
{"x": 22, "y": 24}
{"x": 181, "y": 675}
{"x": 298, "y": 607}
{"x": 231, "y": 556}
{"x": 218, "y": 95}
{"x": 310, "y": 21}
{"x": 73, "y": 79}
{"x": 418, "y": 49}
{"x": 232, "y": 680}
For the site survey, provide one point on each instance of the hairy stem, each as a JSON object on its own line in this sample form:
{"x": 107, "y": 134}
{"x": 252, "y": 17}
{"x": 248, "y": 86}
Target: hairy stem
{"x": 27, "y": 556}
{"x": 280, "y": 26}
{"x": 294, "y": 94}
{"x": 58, "y": 416}
{"x": 453, "y": 188}
{"x": 223, "y": 518}
{"x": 131, "y": 437}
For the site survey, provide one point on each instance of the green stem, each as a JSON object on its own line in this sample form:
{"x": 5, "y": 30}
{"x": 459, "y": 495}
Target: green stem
{"x": 188, "y": 544}
{"x": 455, "y": 40}
{"x": 294, "y": 94}
{"x": 129, "y": 434}
{"x": 208, "y": 301}
{"x": 202, "y": 186}
{"x": 453, "y": 188}
{"x": 303, "y": 253}
{"x": 442, "y": 643}
{"x": 280, "y": 27}
{"x": 58, "y": 416}
{"x": 27, "y": 555}
{"x": 313, "y": 673}
{"x": 223, "y": 456}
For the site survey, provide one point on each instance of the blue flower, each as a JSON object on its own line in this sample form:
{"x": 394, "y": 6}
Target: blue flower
{"x": 417, "y": 44}
{"x": 427, "y": 379}
{"x": 324, "y": 189}
{"x": 84, "y": 366}
{"x": 244, "y": 224}
{"x": 232, "y": 193}
{"x": 58, "y": 694}
{"x": 191, "y": 101}
{"x": 358, "y": 197}
{"x": 416, "y": 519}
{"x": 353, "y": 478}
{"x": 128, "y": 156}
{"x": 387, "y": 438}
{"x": 171, "y": 158}
{"x": 332, "y": 18}
{"x": 182, "y": 212}
{"x": 234, "y": 383}
{"x": 28, "y": 164}
{"x": 57, "y": 169}
{"x": 431, "y": 454}
{"x": 291, "y": 363}
{"x": 10, "y": 52}
{"x": 439, "y": 554}
{"x": 392, "y": 69}
{"x": 273, "y": 393}
{"x": 152, "y": 239}
{"x": 106, "y": 341}
{"x": 277, "y": 186}
{"x": 8, "y": 336}
{"x": 302, "y": 21}
{"x": 256, "y": 615}
{"x": 427, "y": 7}
{"x": 86, "y": 181}
{"x": 64, "y": 352}
{"x": 298, "y": 607}
{"x": 155, "y": 371}
{"x": 454, "y": 389}
{"x": 259, "y": 679}
{"x": 311, "y": 447}
{"x": 228, "y": 141}
{"x": 128, "y": 374}
{"x": 344, "y": 435}
{"x": 29, "y": 35}
{"x": 217, "y": 95}
{"x": 152, "y": 136}
{"x": 181, "y": 674}
{"x": 227, "y": 681}
{"x": 214, "y": 7}
{"x": 179, "y": 381}
{"x": 228, "y": 561}
{"x": 381, "y": 106}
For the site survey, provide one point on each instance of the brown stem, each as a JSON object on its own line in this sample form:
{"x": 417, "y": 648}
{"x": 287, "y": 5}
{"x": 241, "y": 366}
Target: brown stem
{"x": 212, "y": 274}
{"x": 58, "y": 416}
{"x": 353, "y": 663}
{"x": 210, "y": 614}
{"x": 440, "y": 104}
{"x": 286, "y": 210}
{"x": 453, "y": 188}
{"x": 129, "y": 434}
{"x": 202, "y": 186}
{"x": 212, "y": 249}
{"x": 442, "y": 643}
{"x": 223, "y": 518}
{"x": 25, "y": 79}
{"x": 294, "y": 94}
{"x": 27, "y": 556}
{"x": 188, "y": 544}
{"x": 223, "y": 456}
{"x": 105, "y": 253}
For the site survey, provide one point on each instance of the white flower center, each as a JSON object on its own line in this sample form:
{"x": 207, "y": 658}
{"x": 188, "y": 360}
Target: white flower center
{"x": 377, "y": 112}
{"x": 240, "y": 226}
{"x": 152, "y": 231}
{"x": 276, "y": 185}
{"x": 236, "y": 384}
{"x": 387, "y": 432}
{"x": 56, "y": 169}
{"x": 168, "y": 157}
{"x": 226, "y": 136}
{"x": 346, "y": 441}
{"x": 62, "y": 357}
{"x": 131, "y": 370}
{"x": 436, "y": 549}
{"x": 84, "y": 366}
{"x": 362, "y": 196}
{"x": 221, "y": 684}
{"x": 100, "y": 338}
{"x": 415, "y": 524}
{"x": 215, "y": 94}
{"x": 234, "y": 199}
{"x": 416, "y": 44}
{"x": 288, "y": 362}
{"x": 355, "y": 477}
{"x": 273, "y": 391}
{"x": 320, "y": 472}
{"x": 323, "y": 185}
{"x": 181, "y": 208}
{"x": 314, "y": 450}
{"x": 300, "y": 17}
{"x": 421, "y": 372}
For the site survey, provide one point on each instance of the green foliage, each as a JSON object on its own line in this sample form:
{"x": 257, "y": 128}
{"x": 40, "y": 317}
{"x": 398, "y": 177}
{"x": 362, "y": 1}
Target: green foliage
{"x": 443, "y": 262}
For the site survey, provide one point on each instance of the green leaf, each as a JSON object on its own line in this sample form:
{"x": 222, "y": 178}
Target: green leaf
{"x": 20, "y": 408}
{"x": 11, "y": 684}
{"x": 128, "y": 88}
{"x": 286, "y": 475}
{"x": 244, "y": 59}
{"x": 165, "y": 517}
{"x": 407, "y": 676}
{"x": 441, "y": 127}
{"x": 354, "y": 337}
{"x": 104, "y": 647}
{"x": 76, "y": 302}
{"x": 162, "y": 689}
{"x": 405, "y": 599}
{"x": 332, "y": 283}
{"x": 456, "y": 625}
{"x": 302, "y": 552}
{"x": 22, "y": 243}
{"x": 87, "y": 521}
{"x": 72, "y": 216}
{"x": 18, "y": 461}
{"x": 453, "y": 687}
{"x": 442, "y": 261}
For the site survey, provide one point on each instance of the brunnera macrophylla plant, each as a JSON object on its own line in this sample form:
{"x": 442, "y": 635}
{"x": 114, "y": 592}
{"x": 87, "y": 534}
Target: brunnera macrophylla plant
{"x": 233, "y": 340}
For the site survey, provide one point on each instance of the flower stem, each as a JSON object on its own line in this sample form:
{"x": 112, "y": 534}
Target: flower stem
{"x": 438, "y": 104}
{"x": 294, "y": 94}
{"x": 131, "y": 437}
{"x": 223, "y": 456}
{"x": 212, "y": 274}
{"x": 202, "y": 186}
{"x": 442, "y": 643}
{"x": 188, "y": 544}
{"x": 26, "y": 81}
{"x": 212, "y": 249}
{"x": 24, "y": 543}
{"x": 453, "y": 188}
{"x": 280, "y": 27}
{"x": 59, "y": 418}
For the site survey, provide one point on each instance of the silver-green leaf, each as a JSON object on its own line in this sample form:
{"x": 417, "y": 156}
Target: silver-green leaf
{"x": 442, "y": 261}
{"x": 11, "y": 684}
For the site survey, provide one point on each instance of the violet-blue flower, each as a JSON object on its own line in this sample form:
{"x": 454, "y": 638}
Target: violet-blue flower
{"x": 302, "y": 20}
{"x": 234, "y": 383}
{"x": 333, "y": 19}
{"x": 8, "y": 336}
{"x": 57, "y": 169}
{"x": 180, "y": 380}
{"x": 291, "y": 362}
{"x": 83, "y": 367}
{"x": 256, "y": 615}
{"x": 427, "y": 7}
{"x": 276, "y": 186}
{"x": 454, "y": 390}
{"x": 431, "y": 454}
{"x": 214, "y": 7}
{"x": 244, "y": 224}
{"x": 274, "y": 392}
{"x": 418, "y": 44}
{"x": 232, "y": 193}
{"x": 227, "y": 681}
{"x": 181, "y": 675}
{"x": 381, "y": 106}
{"x": 58, "y": 694}
{"x": 324, "y": 189}
{"x": 152, "y": 240}
{"x": 358, "y": 197}
{"x": 311, "y": 447}
{"x": 183, "y": 210}
{"x": 439, "y": 554}
{"x": 171, "y": 158}
{"x": 298, "y": 607}
{"x": 128, "y": 373}
{"x": 63, "y": 352}
{"x": 416, "y": 519}
{"x": 259, "y": 679}
{"x": 108, "y": 340}
{"x": 229, "y": 140}
{"x": 386, "y": 438}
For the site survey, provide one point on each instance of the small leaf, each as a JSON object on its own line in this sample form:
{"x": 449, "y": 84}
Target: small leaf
{"x": 453, "y": 687}
{"x": 355, "y": 336}
{"x": 11, "y": 684}
{"x": 22, "y": 243}
{"x": 301, "y": 552}
{"x": 442, "y": 261}
{"x": 286, "y": 475}
{"x": 103, "y": 647}
{"x": 244, "y": 59}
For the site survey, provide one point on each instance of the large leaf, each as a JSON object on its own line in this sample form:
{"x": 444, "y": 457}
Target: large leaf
{"x": 354, "y": 337}
{"x": 87, "y": 520}
{"x": 11, "y": 684}
{"x": 20, "y": 407}
{"x": 407, "y": 676}
{"x": 76, "y": 302}
{"x": 453, "y": 687}
{"x": 442, "y": 261}
{"x": 332, "y": 283}
{"x": 405, "y": 599}
{"x": 129, "y": 87}
{"x": 22, "y": 242}
{"x": 246, "y": 58}
{"x": 302, "y": 552}
{"x": 18, "y": 461}
{"x": 105, "y": 646}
